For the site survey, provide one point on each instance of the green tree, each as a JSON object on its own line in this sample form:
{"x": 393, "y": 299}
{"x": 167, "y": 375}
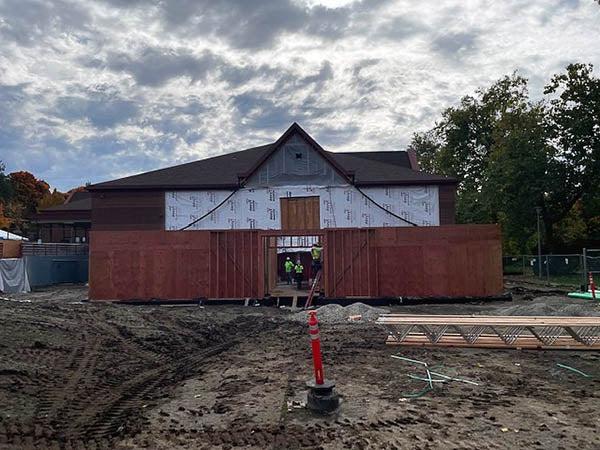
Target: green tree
{"x": 573, "y": 123}
{"x": 493, "y": 143}
{"x": 6, "y": 190}
{"x": 510, "y": 155}
{"x": 6, "y": 193}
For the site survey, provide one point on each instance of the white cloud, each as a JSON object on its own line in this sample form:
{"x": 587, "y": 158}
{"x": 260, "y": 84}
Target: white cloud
{"x": 115, "y": 87}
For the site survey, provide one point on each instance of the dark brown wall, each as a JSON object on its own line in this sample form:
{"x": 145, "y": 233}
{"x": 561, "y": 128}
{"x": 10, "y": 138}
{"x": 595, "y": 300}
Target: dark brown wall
{"x": 62, "y": 216}
{"x": 128, "y": 210}
{"x": 447, "y": 197}
{"x": 60, "y": 232}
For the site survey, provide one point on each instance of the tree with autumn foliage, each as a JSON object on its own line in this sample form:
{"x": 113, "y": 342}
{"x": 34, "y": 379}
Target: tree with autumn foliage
{"x": 21, "y": 195}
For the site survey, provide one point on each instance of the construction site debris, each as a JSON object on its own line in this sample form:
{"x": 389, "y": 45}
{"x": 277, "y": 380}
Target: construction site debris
{"x": 340, "y": 314}
{"x": 550, "y": 306}
{"x": 78, "y": 376}
{"x": 573, "y": 369}
{"x": 430, "y": 380}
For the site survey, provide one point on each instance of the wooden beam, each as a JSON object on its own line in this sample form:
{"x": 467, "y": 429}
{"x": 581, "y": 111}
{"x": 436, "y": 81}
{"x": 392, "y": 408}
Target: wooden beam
{"x": 535, "y": 332}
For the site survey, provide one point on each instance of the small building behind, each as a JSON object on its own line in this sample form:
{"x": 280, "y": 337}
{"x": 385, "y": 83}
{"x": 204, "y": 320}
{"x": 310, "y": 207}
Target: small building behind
{"x": 66, "y": 223}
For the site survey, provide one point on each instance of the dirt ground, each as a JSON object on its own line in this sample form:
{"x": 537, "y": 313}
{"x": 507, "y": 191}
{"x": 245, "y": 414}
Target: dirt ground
{"x": 80, "y": 375}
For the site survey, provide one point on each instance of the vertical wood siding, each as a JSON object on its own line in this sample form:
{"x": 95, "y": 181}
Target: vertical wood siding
{"x": 448, "y": 261}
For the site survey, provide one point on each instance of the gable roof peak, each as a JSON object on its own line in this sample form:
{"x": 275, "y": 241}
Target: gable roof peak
{"x": 296, "y": 128}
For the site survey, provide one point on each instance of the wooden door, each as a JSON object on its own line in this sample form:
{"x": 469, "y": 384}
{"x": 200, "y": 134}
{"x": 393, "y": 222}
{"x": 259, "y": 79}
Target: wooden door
{"x": 300, "y": 213}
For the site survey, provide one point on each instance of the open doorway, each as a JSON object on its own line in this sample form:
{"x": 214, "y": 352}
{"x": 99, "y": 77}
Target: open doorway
{"x": 297, "y": 248}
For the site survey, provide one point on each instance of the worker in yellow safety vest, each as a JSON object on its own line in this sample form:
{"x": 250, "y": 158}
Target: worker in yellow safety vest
{"x": 299, "y": 269}
{"x": 316, "y": 252}
{"x": 289, "y": 266}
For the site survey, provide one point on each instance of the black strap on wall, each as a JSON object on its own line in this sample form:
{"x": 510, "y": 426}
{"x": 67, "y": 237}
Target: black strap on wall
{"x": 208, "y": 213}
{"x": 387, "y": 211}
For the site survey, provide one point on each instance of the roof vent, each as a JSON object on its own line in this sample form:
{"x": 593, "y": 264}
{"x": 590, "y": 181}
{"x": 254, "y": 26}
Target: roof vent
{"x": 298, "y": 155}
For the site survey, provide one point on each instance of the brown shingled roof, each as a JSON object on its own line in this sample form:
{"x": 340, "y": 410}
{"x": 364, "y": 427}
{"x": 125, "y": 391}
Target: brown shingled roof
{"x": 224, "y": 172}
{"x": 78, "y": 201}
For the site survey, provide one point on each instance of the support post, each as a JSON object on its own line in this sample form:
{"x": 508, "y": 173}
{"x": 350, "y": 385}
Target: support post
{"x": 538, "y": 211}
{"x": 585, "y": 271}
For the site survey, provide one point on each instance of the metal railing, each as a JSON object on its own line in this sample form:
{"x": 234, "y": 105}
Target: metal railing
{"x": 51, "y": 249}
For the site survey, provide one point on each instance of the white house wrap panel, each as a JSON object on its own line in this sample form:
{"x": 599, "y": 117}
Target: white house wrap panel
{"x": 340, "y": 207}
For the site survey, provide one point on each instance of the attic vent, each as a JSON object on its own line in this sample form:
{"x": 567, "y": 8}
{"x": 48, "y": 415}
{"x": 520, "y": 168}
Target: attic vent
{"x": 298, "y": 155}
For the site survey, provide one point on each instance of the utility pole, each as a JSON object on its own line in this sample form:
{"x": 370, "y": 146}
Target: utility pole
{"x": 538, "y": 211}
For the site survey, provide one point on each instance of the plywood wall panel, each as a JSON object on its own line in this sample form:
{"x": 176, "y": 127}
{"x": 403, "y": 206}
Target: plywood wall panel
{"x": 449, "y": 261}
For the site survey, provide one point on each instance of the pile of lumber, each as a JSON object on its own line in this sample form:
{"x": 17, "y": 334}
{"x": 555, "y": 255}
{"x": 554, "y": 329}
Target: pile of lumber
{"x": 537, "y": 332}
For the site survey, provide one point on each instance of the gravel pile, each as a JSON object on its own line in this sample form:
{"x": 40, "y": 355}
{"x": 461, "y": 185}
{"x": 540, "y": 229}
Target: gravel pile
{"x": 552, "y": 306}
{"x": 339, "y": 314}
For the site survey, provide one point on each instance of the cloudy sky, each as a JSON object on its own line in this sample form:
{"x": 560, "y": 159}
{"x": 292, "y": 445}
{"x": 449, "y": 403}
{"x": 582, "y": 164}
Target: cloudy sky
{"x": 94, "y": 90}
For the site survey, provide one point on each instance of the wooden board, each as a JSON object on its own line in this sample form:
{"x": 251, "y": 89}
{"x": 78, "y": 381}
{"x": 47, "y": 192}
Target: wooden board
{"x": 408, "y": 319}
{"x": 535, "y": 332}
{"x": 300, "y": 213}
{"x": 523, "y": 343}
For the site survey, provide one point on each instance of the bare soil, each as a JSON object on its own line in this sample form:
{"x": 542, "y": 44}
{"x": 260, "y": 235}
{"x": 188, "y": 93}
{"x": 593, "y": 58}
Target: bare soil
{"x": 80, "y": 375}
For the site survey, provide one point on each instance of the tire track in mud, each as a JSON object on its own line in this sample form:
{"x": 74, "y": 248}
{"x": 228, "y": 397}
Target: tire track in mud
{"x": 131, "y": 396}
{"x": 68, "y": 420}
{"x": 342, "y": 433}
{"x": 94, "y": 384}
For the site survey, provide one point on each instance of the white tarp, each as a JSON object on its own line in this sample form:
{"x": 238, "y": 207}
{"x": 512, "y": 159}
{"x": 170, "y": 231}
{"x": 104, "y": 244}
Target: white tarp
{"x": 340, "y": 207}
{"x": 11, "y": 236}
{"x": 13, "y": 276}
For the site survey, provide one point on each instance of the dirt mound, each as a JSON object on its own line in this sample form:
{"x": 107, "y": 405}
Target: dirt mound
{"x": 339, "y": 314}
{"x": 551, "y": 306}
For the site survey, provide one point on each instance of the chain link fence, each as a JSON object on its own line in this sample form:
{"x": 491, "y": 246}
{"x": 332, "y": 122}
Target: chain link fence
{"x": 567, "y": 270}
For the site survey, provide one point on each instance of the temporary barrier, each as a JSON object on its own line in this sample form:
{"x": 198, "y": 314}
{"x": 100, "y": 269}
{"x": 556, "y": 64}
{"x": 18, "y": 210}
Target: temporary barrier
{"x": 315, "y": 342}
{"x": 51, "y": 270}
{"x": 446, "y": 261}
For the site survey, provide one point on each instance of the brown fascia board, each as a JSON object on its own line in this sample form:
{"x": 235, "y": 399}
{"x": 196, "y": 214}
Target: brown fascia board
{"x": 162, "y": 187}
{"x": 57, "y": 216}
{"x": 406, "y": 182}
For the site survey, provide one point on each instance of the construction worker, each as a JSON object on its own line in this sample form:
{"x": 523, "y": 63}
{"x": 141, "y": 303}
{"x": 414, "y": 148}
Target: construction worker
{"x": 316, "y": 252}
{"x": 289, "y": 266}
{"x": 299, "y": 269}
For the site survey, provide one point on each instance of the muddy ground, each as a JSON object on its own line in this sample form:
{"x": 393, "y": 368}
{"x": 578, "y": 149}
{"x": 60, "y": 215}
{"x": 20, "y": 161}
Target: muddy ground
{"x": 80, "y": 375}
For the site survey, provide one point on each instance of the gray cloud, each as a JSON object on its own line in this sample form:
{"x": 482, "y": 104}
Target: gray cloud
{"x": 400, "y": 28}
{"x": 156, "y": 66}
{"x": 253, "y": 24}
{"x": 259, "y": 111}
{"x": 243, "y": 23}
{"x": 28, "y": 21}
{"x": 325, "y": 74}
{"x": 105, "y": 88}
{"x": 102, "y": 110}
{"x": 455, "y": 44}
